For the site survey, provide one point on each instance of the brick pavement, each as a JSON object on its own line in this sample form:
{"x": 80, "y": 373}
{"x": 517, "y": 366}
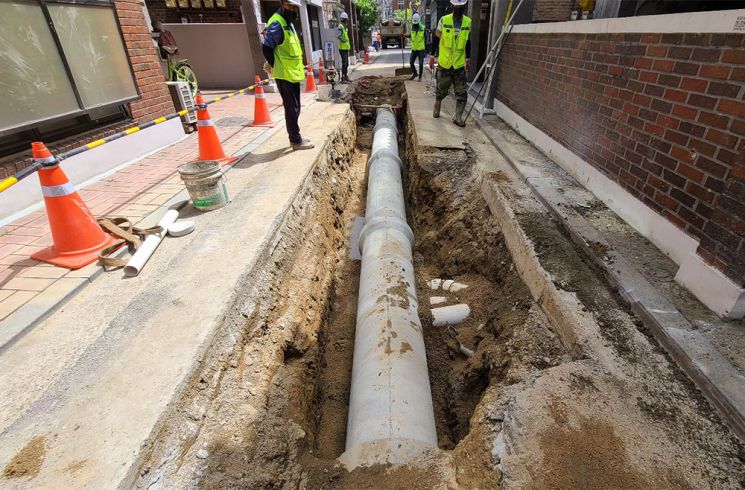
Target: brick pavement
{"x": 134, "y": 192}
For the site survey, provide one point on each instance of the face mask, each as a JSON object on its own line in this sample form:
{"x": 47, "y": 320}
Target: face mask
{"x": 290, "y": 15}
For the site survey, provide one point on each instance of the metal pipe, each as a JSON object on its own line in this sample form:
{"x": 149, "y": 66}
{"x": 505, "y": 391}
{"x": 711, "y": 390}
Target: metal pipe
{"x": 391, "y": 419}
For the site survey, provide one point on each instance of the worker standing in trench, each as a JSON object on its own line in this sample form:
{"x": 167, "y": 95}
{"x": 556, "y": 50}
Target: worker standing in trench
{"x": 454, "y": 47}
{"x": 344, "y": 46}
{"x": 284, "y": 55}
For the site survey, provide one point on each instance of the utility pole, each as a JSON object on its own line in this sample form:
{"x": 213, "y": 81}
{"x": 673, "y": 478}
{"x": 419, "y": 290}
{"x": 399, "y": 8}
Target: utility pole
{"x": 252, "y": 20}
{"x": 305, "y": 27}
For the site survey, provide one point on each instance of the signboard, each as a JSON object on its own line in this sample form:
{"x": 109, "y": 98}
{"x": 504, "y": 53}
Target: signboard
{"x": 328, "y": 51}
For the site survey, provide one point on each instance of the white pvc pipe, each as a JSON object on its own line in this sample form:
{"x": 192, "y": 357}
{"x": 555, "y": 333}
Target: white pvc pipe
{"x": 138, "y": 260}
{"x": 450, "y": 315}
{"x": 391, "y": 419}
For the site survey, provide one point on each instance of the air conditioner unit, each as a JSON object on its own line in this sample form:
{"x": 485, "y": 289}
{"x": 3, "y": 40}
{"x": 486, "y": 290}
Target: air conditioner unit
{"x": 183, "y": 99}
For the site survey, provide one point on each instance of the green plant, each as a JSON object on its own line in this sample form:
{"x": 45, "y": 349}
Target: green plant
{"x": 368, "y": 15}
{"x": 403, "y": 15}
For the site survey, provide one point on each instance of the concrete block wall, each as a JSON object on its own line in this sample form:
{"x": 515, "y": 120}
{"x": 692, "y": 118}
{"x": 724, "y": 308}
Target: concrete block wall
{"x": 660, "y": 114}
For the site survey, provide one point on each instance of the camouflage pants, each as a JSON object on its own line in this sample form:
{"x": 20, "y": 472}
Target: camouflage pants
{"x": 454, "y": 77}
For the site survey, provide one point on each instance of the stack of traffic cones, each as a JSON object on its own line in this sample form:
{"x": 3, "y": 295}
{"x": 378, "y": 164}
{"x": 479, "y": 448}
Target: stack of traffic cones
{"x": 310, "y": 81}
{"x": 321, "y": 73}
{"x": 261, "y": 109}
{"x": 209, "y": 143}
{"x": 76, "y": 235}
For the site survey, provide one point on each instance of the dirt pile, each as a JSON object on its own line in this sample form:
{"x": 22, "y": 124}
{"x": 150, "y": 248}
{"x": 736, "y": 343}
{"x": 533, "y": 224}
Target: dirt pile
{"x": 376, "y": 91}
{"x": 458, "y": 239}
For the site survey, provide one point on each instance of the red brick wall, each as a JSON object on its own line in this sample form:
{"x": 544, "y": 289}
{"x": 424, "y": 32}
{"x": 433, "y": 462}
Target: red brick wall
{"x": 158, "y": 11}
{"x": 661, "y": 115}
{"x": 552, "y": 10}
{"x": 155, "y": 100}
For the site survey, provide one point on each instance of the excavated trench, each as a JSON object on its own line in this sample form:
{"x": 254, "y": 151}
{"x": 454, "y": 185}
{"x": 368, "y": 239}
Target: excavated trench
{"x": 268, "y": 406}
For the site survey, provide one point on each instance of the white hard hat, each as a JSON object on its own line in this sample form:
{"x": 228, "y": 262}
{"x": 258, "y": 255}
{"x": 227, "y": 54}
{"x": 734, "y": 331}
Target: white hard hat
{"x": 458, "y": 2}
{"x": 344, "y": 15}
{"x": 415, "y": 17}
{"x": 294, "y": 2}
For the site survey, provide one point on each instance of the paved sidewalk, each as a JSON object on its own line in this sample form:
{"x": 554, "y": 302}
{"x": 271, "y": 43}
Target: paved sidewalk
{"x": 91, "y": 383}
{"x": 29, "y": 288}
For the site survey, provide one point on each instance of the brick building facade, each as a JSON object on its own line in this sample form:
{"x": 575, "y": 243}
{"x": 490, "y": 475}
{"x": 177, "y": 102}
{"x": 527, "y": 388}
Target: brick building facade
{"x": 154, "y": 98}
{"x": 230, "y": 13}
{"x": 552, "y": 10}
{"x": 661, "y": 115}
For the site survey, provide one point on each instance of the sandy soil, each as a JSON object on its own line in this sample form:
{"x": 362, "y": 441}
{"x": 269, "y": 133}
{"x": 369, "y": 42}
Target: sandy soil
{"x": 268, "y": 408}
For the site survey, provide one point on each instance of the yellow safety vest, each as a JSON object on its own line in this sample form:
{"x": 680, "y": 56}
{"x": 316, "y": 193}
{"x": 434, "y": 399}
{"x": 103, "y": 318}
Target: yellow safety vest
{"x": 417, "y": 39}
{"x": 452, "y": 49}
{"x": 344, "y": 38}
{"x": 288, "y": 56}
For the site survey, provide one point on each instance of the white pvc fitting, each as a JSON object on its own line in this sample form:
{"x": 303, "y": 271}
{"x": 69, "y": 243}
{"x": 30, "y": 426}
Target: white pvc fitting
{"x": 450, "y": 315}
{"x": 436, "y": 300}
{"x": 391, "y": 419}
{"x": 142, "y": 255}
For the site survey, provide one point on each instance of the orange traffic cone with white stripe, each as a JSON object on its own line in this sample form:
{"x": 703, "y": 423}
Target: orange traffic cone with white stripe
{"x": 321, "y": 72}
{"x": 209, "y": 142}
{"x": 310, "y": 81}
{"x": 261, "y": 109}
{"x": 76, "y": 234}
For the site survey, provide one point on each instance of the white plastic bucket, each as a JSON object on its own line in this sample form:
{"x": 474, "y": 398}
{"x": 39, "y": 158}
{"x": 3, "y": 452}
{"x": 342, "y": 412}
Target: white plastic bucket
{"x": 206, "y": 184}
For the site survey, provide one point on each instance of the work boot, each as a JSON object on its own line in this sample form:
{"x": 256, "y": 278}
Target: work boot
{"x": 436, "y": 110}
{"x": 345, "y": 79}
{"x": 458, "y": 118}
{"x": 305, "y": 144}
{"x": 413, "y": 76}
{"x": 420, "y": 77}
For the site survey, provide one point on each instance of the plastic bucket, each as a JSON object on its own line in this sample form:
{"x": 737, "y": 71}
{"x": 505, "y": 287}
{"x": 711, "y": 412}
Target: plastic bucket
{"x": 206, "y": 184}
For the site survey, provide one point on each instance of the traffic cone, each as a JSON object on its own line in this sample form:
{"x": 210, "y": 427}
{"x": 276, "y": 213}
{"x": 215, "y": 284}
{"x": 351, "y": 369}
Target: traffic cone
{"x": 321, "y": 73}
{"x": 310, "y": 81}
{"x": 76, "y": 235}
{"x": 366, "y": 58}
{"x": 209, "y": 143}
{"x": 261, "y": 109}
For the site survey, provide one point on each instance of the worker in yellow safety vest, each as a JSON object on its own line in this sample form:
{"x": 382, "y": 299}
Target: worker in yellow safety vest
{"x": 344, "y": 45}
{"x": 453, "y": 60}
{"x": 283, "y": 53}
{"x": 418, "y": 49}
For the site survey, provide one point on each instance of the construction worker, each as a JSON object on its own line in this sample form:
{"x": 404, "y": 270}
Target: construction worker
{"x": 284, "y": 55}
{"x": 418, "y": 48}
{"x": 344, "y": 46}
{"x": 453, "y": 60}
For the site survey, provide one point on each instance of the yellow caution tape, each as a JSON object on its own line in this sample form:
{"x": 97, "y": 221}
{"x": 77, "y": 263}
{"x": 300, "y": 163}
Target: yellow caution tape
{"x": 10, "y": 181}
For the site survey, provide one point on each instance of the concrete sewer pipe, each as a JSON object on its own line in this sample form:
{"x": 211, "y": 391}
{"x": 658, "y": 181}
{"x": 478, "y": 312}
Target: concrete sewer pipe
{"x": 391, "y": 419}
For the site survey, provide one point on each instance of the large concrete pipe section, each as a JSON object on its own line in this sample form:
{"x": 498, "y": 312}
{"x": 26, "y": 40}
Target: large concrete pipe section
{"x": 391, "y": 419}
